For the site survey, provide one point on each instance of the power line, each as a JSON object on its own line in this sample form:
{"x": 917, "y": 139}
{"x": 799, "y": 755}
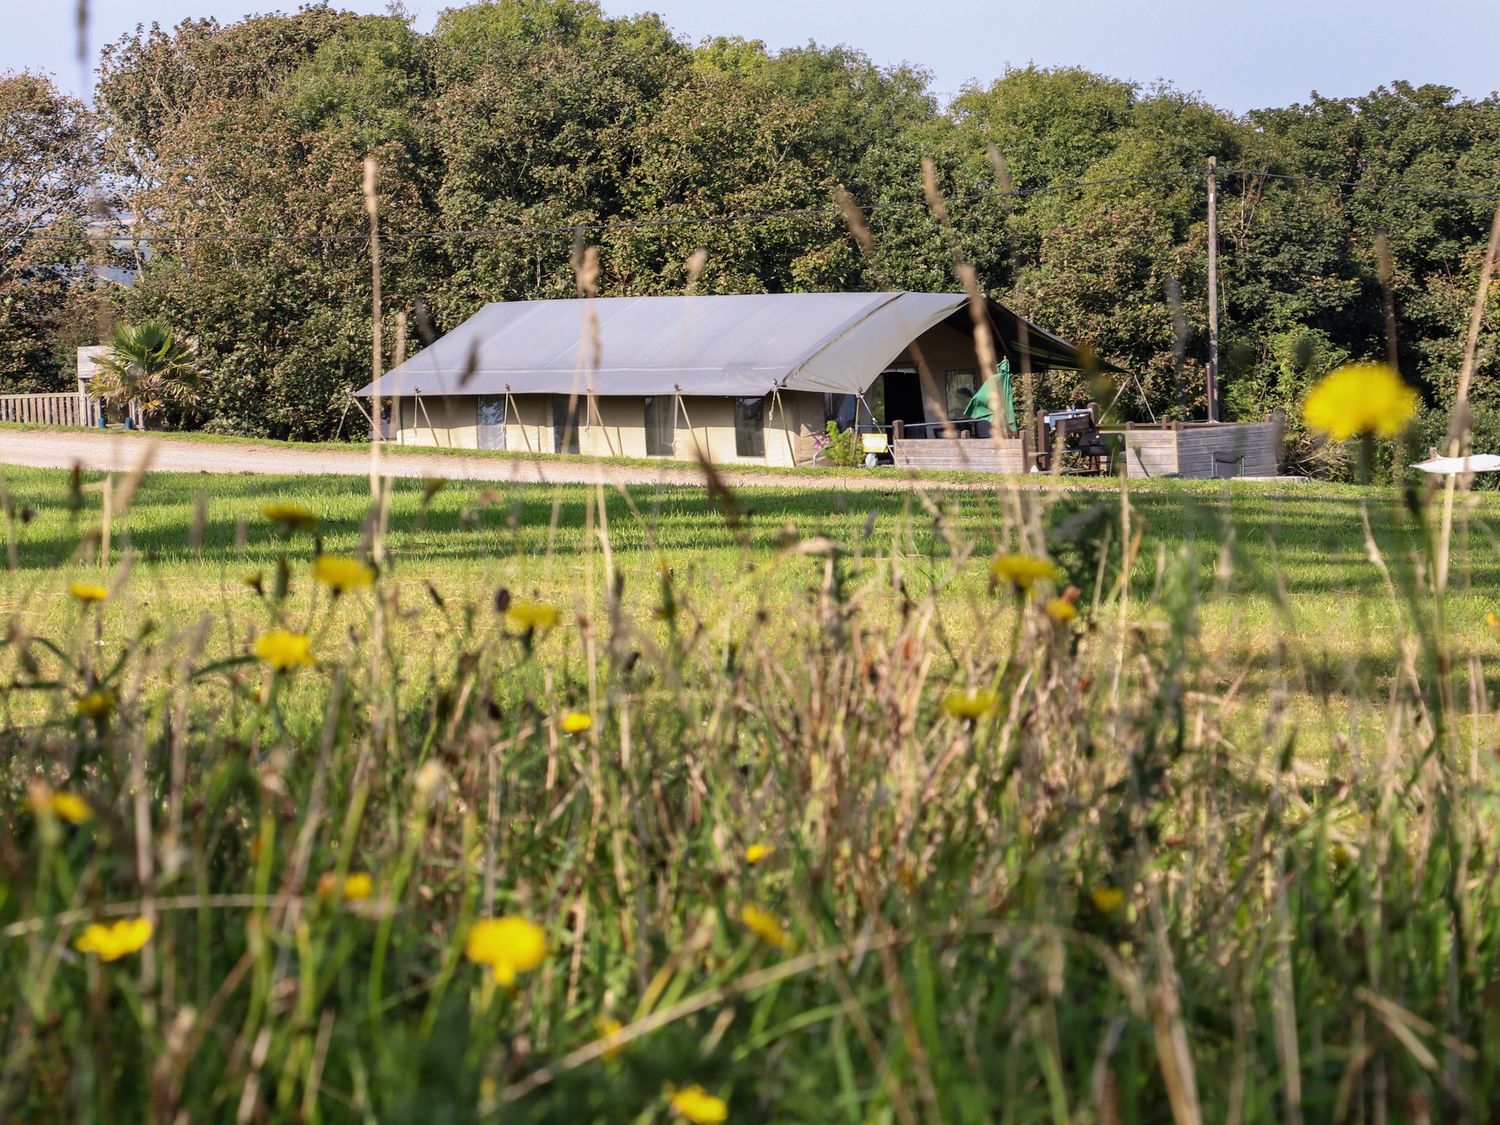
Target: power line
{"x": 1361, "y": 185}
{"x": 606, "y": 226}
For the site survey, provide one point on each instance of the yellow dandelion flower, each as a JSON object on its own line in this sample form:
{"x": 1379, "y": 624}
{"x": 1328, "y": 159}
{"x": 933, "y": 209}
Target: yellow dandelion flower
{"x": 1492, "y": 619}
{"x": 112, "y": 942}
{"x": 96, "y": 704}
{"x": 63, "y": 805}
{"x": 291, "y": 517}
{"x": 1360, "y": 398}
{"x": 604, "y": 1027}
{"x": 508, "y": 945}
{"x": 1107, "y": 900}
{"x": 528, "y": 617}
{"x": 695, "y": 1104}
{"x": 341, "y": 574}
{"x": 764, "y": 925}
{"x": 1060, "y": 610}
{"x": 1023, "y": 571}
{"x": 71, "y": 807}
{"x": 283, "y": 651}
{"x": 87, "y": 592}
{"x": 757, "y": 852}
{"x": 576, "y": 722}
{"x": 357, "y": 886}
{"x": 970, "y": 705}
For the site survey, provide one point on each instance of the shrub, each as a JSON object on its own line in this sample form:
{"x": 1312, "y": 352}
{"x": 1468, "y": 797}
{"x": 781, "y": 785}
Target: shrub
{"x": 840, "y": 447}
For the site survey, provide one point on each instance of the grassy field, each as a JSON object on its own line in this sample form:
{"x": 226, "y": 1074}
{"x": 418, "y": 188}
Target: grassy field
{"x": 1299, "y": 599}
{"x": 810, "y": 809}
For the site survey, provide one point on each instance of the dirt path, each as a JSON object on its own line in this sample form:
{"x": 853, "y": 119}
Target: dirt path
{"x": 115, "y": 451}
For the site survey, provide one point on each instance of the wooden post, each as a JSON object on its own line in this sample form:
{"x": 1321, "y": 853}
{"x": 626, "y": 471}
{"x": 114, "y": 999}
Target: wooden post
{"x": 1212, "y": 387}
{"x": 400, "y": 358}
{"x": 372, "y": 209}
{"x": 513, "y": 409}
{"x": 777, "y": 406}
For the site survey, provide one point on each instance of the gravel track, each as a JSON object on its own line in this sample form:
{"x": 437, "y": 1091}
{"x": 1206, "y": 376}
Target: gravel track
{"x": 115, "y": 451}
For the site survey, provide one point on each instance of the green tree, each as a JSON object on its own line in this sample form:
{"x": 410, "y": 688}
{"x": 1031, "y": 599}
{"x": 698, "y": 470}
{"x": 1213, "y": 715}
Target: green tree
{"x": 50, "y": 297}
{"x": 518, "y": 129}
{"x": 248, "y": 130}
{"x": 147, "y": 366}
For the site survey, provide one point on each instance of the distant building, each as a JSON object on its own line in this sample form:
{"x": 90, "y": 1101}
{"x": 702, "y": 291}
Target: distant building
{"x": 744, "y": 379}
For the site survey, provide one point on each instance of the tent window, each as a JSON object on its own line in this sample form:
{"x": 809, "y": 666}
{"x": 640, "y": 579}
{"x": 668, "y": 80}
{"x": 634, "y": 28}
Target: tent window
{"x": 661, "y": 415}
{"x": 490, "y": 421}
{"x": 958, "y": 381}
{"x": 840, "y": 409}
{"x": 749, "y": 427}
{"x": 872, "y": 411}
{"x": 565, "y": 423}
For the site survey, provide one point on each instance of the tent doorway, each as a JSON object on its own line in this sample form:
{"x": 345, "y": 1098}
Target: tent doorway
{"x": 903, "y": 396}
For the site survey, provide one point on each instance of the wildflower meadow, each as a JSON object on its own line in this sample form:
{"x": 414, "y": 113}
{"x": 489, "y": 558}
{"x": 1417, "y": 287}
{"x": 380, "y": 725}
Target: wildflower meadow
{"x": 1022, "y": 804}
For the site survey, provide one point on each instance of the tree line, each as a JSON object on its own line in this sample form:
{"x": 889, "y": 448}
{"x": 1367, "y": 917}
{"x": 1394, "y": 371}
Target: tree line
{"x": 516, "y": 130}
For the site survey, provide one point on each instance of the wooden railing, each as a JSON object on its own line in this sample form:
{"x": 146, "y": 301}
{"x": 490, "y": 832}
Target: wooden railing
{"x": 66, "y": 409}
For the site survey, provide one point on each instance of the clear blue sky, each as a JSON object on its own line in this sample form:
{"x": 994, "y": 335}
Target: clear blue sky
{"x": 1239, "y": 56}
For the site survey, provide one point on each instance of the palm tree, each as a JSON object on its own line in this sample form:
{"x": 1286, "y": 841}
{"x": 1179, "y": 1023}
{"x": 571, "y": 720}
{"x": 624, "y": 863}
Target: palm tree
{"x": 147, "y": 365}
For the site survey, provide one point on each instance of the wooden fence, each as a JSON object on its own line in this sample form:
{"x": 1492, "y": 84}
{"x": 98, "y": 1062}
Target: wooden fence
{"x": 68, "y": 408}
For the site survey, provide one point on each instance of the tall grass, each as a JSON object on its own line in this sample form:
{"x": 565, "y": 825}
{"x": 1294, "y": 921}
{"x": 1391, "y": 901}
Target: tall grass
{"x": 1032, "y": 877}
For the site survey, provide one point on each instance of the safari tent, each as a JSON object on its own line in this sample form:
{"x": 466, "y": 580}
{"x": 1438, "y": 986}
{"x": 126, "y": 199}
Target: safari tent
{"x": 739, "y": 379}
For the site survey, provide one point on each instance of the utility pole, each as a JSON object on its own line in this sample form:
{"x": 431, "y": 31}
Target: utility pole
{"x": 372, "y": 208}
{"x": 1213, "y": 290}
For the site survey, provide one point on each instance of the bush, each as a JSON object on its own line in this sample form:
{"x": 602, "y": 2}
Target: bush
{"x": 1288, "y": 365}
{"x": 840, "y": 447}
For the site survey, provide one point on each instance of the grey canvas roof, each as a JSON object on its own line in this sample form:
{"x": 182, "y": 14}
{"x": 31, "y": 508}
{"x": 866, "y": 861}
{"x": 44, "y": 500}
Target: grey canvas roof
{"x": 709, "y": 345}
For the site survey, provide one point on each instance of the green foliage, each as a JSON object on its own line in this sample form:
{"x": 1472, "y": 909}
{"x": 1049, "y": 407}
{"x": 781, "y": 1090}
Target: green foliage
{"x": 148, "y": 366}
{"x": 50, "y": 299}
{"x": 840, "y": 447}
{"x": 1277, "y": 378}
{"x": 528, "y": 119}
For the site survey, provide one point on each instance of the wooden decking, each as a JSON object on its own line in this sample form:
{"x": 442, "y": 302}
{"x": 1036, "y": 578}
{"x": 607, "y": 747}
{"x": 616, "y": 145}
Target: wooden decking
{"x": 1222, "y": 449}
{"x": 980, "y": 455}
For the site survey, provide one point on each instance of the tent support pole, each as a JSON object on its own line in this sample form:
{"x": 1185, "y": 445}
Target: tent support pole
{"x": 776, "y": 404}
{"x": 682, "y": 402}
{"x": 362, "y": 412}
{"x": 593, "y": 406}
{"x": 510, "y": 404}
{"x": 431, "y": 429}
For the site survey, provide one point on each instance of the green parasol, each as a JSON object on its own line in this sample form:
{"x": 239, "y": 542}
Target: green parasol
{"x": 979, "y": 407}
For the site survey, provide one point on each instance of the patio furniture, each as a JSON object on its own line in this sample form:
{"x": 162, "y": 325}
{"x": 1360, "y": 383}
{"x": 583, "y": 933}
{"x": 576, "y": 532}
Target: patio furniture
{"x": 1224, "y": 457}
{"x": 1074, "y": 430}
